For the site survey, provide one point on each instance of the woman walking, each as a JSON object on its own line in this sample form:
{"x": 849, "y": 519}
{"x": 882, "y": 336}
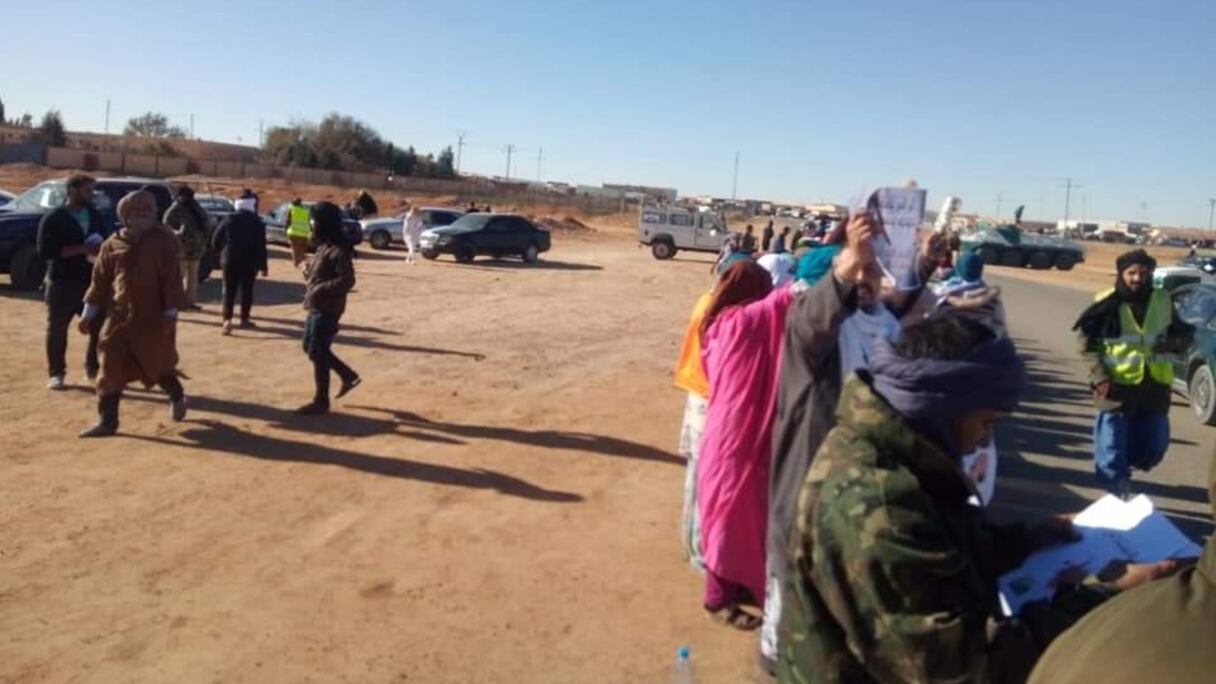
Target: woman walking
{"x": 330, "y": 276}
{"x": 411, "y": 231}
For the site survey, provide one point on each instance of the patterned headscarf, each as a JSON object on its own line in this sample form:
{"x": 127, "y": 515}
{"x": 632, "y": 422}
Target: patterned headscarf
{"x": 137, "y": 211}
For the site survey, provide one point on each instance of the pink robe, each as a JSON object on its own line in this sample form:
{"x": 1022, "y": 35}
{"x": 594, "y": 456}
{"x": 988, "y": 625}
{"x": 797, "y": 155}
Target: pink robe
{"x": 742, "y": 355}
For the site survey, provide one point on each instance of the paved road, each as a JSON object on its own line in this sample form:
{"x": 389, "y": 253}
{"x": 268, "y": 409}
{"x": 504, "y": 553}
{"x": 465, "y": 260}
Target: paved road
{"x": 1046, "y": 449}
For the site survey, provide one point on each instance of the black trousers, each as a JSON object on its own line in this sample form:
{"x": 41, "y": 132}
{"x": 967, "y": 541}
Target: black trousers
{"x": 239, "y": 280}
{"x": 319, "y": 333}
{"x": 65, "y": 301}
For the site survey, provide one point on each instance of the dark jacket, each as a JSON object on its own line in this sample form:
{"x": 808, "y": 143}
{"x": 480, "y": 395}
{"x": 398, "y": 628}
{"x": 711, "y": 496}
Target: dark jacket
{"x": 331, "y": 275}
{"x": 241, "y": 242}
{"x": 766, "y": 239}
{"x": 59, "y": 229}
{"x": 894, "y": 574}
{"x": 366, "y": 205}
{"x": 1158, "y": 632}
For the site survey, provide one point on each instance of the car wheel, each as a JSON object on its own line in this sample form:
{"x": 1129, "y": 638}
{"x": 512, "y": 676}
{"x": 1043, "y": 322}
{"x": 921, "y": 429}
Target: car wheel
{"x": 1202, "y": 392}
{"x": 531, "y": 254}
{"x": 380, "y": 239}
{"x": 1013, "y": 258}
{"x": 430, "y": 255}
{"x": 1065, "y": 261}
{"x": 465, "y": 254}
{"x": 26, "y": 270}
{"x": 663, "y": 250}
{"x": 1040, "y": 261}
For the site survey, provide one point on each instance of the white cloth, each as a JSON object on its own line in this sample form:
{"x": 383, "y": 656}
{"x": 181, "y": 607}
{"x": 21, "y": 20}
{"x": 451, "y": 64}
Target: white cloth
{"x": 858, "y": 334}
{"x": 780, "y": 266}
{"x": 249, "y": 204}
{"x": 413, "y": 226}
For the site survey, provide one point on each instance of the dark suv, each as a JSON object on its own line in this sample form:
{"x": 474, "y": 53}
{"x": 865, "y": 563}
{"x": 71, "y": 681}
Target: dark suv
{"x": 19, "y": 223}
{"x": 495, "y": 235}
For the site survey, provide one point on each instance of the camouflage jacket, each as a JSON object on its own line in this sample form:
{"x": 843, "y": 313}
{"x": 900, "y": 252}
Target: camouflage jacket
{"x": 192, "y": 226}
{"x": 893, "y": 575}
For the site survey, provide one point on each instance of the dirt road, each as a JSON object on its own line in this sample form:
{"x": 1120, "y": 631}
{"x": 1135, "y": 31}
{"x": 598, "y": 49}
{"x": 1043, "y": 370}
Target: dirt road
{"x": 499, "y": 501}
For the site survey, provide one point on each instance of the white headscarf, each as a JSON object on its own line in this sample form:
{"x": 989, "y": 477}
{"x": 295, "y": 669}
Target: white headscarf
{"x": 781, "y": 266}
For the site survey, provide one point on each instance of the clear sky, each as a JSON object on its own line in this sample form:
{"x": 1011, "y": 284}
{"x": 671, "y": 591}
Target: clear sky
{"x": 979, "y": 98}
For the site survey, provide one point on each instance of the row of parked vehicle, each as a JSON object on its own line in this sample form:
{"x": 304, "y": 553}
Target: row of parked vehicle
{"x": 447, "y": 231}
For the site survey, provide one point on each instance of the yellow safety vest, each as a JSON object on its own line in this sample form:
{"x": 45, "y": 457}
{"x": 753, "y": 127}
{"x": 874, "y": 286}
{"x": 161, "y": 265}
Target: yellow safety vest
{"x": 1126, "y": 356}
{"x": 297, "y": 222}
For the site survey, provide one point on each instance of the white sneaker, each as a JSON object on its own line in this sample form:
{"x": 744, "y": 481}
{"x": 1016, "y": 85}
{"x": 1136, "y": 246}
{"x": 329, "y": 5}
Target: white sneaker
{"x": 227, "y": 327}
{"x": 56, "y": 383}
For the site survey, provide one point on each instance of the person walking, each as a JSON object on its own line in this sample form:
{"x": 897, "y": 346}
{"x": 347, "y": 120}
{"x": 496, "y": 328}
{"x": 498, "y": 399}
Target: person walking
{"x": 1124, "y": 337}
{"x": 138, "y": 280}
{"x": 766, "y": 238}
{"x": 411, "y": 232}
{"x": 365, "y": 205}
{"x": 749, "y": 239}
{"x": 240, "y": 242}
{"x": 299, "y": 232}
{"x": 187, "y": 219}
{"x": 68, "y": 238}
{"x": 330, "y": 277}
{"x": 781, "y": 243}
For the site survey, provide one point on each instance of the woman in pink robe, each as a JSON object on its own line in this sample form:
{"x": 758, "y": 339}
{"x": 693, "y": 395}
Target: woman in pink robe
{"x": 741, "y": 348}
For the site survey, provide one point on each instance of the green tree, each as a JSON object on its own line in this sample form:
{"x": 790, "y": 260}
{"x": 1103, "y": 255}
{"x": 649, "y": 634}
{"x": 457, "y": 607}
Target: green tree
{"x": 152, "y": 125}
{"x": 445, "y": 166}
{"x": 51, "y": 130}
{"x": 26, "y": 121}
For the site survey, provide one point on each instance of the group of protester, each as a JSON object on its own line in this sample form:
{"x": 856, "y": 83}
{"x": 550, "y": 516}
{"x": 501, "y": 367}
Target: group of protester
{"x": 129, "y": 287}
{"x": 839, "y": 444}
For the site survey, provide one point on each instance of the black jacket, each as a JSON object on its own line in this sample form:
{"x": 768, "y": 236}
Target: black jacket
{"x": 331, "y": 275}
{"x": 241, "y": 242}
{"x": 59, "y": 229}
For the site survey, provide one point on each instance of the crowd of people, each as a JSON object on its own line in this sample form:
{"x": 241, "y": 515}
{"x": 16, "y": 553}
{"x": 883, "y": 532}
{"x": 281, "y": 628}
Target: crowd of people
{"x": 839, "y": 439}
{"x": 129, "y": 287}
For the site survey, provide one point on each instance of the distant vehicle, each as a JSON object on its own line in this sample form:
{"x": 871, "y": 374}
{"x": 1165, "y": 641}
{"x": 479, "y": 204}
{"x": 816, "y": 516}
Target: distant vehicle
{"x": 1193, "y": 374}
{"x": 6, "y": 197}
{"x": 495, "y": 235}
{"x": 217, "y": 207}
{"x": 276, "y": 226}
{"x": 19, "y": 223}
{"x": 380, "y": 233}
{"x": 1207, "y": 264}
{"x": 1170, "y": 278}
{"x": 668, "y": 230}
{"x": 1008, "y": 245}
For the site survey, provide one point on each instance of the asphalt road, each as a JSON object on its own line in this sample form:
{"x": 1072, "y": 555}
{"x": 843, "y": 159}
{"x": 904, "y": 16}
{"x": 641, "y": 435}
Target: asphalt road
{"x": 1046, "y": 448}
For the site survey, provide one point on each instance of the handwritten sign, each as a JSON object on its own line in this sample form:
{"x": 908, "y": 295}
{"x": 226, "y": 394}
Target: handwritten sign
{"x": 900, "y": 211}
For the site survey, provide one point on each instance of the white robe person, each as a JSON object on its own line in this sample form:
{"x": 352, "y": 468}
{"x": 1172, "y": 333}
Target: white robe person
{"x": 411, "y": 231}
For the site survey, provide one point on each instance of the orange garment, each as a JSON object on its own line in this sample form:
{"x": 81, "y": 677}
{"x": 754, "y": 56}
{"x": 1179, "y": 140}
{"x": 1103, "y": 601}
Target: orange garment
{"x": 690, "y": 374}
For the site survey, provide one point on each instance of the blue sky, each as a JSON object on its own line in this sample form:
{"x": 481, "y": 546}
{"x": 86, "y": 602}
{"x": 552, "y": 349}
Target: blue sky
{"x": 978, "y": 99}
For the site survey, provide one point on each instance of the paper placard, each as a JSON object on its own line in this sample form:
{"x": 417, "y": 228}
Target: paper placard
{"x": 900, "y": 211}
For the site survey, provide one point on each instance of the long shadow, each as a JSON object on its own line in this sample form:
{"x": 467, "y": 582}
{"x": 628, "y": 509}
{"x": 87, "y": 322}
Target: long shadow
{"x": 362, "y": 342}
{"x": 378, "y": 255}
{"x": 266, "y": 292}
{"x": 551, "y": 439}
{"x": 213, "y": 436}
{"x": 299, "y": 323}
{"x": 7, "y": 290}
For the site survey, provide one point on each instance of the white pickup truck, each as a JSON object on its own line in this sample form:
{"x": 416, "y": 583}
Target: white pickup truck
{"x": 667, "y": 230}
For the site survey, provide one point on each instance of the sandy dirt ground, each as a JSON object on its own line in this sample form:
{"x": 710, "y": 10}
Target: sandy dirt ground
{"x": 498, "y": 502}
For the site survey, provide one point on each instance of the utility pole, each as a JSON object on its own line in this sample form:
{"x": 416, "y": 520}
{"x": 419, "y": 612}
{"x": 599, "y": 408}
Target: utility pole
{"x": 459, "y": 149}
{"x": 540, "y": 156}
{"x": 1000, "y": 197}
{"x": 1211, "y": 208}
{"x": 1143, "y": 210}
{"x": 192, "y": 127}
{"x": 1068, "y": 186}
{"x": 261, "y": 133}
{"x": 734, "y": 184}
{"x": 510, "y": 150}
{"x": 107, "y": 117}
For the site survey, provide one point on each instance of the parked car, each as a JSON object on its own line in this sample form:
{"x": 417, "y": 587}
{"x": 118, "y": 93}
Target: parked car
{"x": 217, "y": 207}
{"x": 380, "y": 233}
{"x": 495, "y": 235}
{"x": 276, "y": 226}
{"x": 1193, "y": 370}
{"x": 667, "y": 230}
{"x": 19, "y": 223}
{"x": 1170, "y": 278}
{"x": 6, "y": 197}
{"x": 1201, "y": 261}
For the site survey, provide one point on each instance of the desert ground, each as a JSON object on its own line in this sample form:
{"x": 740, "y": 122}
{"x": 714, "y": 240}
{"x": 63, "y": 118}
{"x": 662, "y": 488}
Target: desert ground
{"x": 498, "y": 502}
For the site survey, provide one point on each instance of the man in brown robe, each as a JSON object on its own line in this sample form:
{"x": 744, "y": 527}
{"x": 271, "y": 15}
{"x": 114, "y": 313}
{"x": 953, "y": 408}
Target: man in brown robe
{"x": 137, "y": 281}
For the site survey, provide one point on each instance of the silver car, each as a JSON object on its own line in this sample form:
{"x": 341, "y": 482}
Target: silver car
{"x": 381, "y": 233}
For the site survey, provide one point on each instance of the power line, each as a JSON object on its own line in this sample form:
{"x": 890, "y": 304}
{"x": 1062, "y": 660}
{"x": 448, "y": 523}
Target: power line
{"x": 1211, "y": 208}
{"x": 510, "y": 150}
{"x": 459, "y": 149}
{"x": 734, "y": 184}
{"x": 1068, "y": 186}
{"x": 540, "y": 156}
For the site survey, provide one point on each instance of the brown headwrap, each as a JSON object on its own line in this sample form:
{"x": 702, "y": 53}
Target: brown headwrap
{"x": 743, "y": 283}
{"x": 137, "y": 211}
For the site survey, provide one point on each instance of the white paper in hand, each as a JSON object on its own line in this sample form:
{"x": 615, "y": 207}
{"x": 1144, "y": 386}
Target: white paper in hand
{"x": 900, "y": 212}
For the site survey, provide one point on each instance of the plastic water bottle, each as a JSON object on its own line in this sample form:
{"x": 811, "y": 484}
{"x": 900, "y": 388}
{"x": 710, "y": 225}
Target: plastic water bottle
{"x": 683, "y": 672}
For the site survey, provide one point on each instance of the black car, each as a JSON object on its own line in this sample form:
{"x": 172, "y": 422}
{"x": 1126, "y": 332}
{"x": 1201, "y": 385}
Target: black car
{"x": 494, "y": 235}
{"x": 19, "y": 222}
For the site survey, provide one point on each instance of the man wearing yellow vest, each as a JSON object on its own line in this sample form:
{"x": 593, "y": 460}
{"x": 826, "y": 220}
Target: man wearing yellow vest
{"x": 299, "y": 231}
{"x": 1126, "y": 336}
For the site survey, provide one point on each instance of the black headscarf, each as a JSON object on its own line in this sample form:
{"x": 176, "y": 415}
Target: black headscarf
{"x": 1101, "y": 319}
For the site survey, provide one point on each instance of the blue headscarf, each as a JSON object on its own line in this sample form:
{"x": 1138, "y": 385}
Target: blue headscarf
{"x": 970, "y": 267}
{"x": 932, "y": 394}
{"x": 816, "y": 263}
{"x": 730, "y": 260}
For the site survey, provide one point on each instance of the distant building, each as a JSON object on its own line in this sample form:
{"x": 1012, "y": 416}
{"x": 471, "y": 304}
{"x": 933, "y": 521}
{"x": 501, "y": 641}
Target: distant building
{"x": 644, "y": 191}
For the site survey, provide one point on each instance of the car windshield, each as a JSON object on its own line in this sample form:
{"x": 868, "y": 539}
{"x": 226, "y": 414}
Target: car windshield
{"x": 41, "y": 197}
{"x": 472, "y": 221}
{"x": 215, "y": 204}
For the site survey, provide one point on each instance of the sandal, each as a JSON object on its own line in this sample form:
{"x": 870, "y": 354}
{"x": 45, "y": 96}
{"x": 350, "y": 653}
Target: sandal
{"x": 732, "y": 616}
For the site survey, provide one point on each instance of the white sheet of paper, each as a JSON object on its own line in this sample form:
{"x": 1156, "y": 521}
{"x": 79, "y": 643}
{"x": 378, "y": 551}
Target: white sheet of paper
{"x": 902, "y": 210}
{"x": 1111, "y": 529}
